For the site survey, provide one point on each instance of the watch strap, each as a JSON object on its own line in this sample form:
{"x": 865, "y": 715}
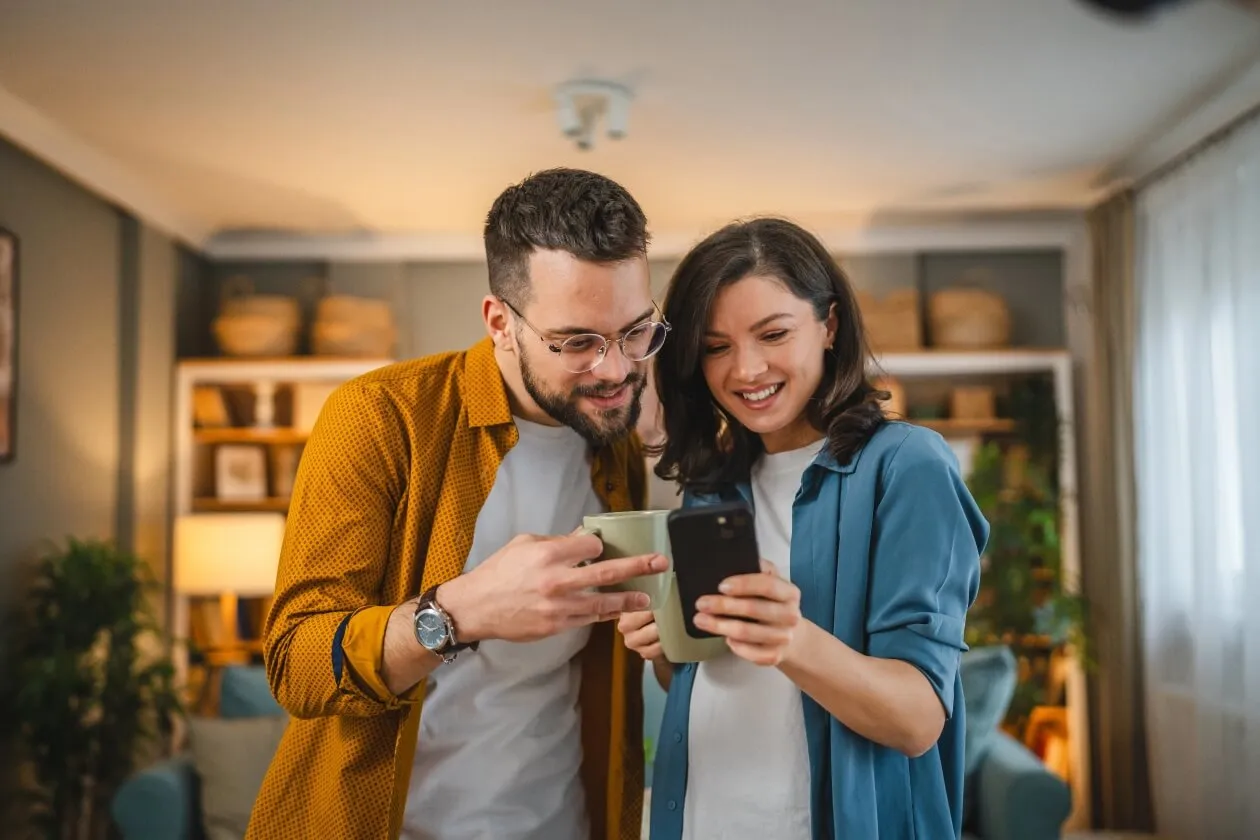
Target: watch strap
{"x": 453, "y": 644}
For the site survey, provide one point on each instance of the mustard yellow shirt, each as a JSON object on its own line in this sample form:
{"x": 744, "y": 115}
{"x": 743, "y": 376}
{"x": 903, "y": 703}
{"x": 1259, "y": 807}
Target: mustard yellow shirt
{"x": 387, "y": 495}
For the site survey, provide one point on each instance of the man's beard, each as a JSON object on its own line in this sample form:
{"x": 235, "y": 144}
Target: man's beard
{"x": 616, "y": 422}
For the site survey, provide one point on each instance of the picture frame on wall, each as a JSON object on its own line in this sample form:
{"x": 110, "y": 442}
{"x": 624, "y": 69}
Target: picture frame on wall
{"x": 8, "y": 343}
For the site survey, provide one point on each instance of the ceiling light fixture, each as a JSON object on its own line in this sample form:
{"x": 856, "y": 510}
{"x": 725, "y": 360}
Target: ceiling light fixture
{"x": 580, "y": 105}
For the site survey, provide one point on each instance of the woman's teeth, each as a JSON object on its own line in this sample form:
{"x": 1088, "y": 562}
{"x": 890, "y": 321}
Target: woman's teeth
{"x": 763, "y": 394}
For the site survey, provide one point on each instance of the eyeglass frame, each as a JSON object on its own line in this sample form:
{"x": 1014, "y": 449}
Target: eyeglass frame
{"x": 558, "y": 349}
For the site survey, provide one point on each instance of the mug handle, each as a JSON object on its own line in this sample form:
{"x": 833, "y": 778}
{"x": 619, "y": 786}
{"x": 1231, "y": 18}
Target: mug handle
{"x": 591, "y": 532}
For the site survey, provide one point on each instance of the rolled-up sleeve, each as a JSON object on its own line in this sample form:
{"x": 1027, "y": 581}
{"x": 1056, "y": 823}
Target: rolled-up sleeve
{"x": 925, "y": 571}
{"x": 326, "y": 628}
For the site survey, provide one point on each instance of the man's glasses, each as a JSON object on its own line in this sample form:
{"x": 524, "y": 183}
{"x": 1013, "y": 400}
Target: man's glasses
{"x": 583, "y": 353}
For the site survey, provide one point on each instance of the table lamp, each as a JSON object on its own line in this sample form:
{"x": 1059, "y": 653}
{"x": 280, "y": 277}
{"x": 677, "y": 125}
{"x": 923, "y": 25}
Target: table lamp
{"x": 227, "y": 555}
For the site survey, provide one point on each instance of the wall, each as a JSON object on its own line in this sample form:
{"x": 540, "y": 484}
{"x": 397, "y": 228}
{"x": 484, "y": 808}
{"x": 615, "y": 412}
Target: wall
{"x": 63, "y": 480}
{"x": 95, "y": 348}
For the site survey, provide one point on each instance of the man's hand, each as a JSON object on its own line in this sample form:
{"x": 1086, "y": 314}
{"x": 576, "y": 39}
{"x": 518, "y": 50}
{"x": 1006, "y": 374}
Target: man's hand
{"x": 534, "y": 587}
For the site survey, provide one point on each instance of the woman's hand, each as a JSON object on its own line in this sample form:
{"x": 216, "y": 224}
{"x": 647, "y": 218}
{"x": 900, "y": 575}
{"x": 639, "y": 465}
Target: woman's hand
{"x": 641, "y": 635}
{"x": 758, "y": 614}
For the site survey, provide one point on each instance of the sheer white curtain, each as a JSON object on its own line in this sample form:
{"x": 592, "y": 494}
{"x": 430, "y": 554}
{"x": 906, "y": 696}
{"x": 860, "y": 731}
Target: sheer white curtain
{"x": 1197, "y": 447}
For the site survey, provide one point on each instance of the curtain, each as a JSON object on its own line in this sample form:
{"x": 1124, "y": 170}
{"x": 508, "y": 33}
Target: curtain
{"x": 1197, "y": 465}
{"x": 1110, "y": 579}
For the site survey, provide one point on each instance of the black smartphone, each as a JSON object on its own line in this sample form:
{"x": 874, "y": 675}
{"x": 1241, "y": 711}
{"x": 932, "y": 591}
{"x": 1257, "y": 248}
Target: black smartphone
{"x": 709, "y": 545}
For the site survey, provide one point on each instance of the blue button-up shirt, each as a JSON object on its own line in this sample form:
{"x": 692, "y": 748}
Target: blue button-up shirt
{"x": 886, "y": 552}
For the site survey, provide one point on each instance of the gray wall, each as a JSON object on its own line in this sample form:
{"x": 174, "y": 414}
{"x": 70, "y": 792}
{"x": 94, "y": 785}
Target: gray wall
{"x": 94, "y": 317}
{"x": 64, "y": 479}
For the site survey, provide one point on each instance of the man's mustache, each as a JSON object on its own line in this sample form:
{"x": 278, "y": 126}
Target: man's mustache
{"x": 604, "y": 390}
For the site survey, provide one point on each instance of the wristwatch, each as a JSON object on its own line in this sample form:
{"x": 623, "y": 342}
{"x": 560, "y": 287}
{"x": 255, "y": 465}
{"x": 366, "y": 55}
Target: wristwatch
{"x": 435, "y": 630}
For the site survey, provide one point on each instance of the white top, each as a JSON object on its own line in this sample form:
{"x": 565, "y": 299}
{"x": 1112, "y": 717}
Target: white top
{"x": 748, "y": 766}
{"x": 500, "y": 746}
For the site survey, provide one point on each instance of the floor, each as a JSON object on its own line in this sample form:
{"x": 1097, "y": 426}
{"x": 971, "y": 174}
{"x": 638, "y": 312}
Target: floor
{"x": 1110, "y": 835}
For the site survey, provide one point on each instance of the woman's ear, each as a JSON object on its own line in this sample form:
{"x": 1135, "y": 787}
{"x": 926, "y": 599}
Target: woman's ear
{"x": 833, "y": 325}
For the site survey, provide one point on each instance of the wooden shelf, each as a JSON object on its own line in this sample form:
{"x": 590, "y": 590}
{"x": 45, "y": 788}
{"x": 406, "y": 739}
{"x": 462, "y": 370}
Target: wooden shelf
{"x": 929, "y": 362}
{"x": 249, "y": 435}
{"x": 212, "y": 505}
{"x": 950, "y": 427}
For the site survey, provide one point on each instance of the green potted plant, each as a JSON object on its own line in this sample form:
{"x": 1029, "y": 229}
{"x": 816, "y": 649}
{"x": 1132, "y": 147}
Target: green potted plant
{"x": 1023, "y": 602}
{"x": 92, "y": 685}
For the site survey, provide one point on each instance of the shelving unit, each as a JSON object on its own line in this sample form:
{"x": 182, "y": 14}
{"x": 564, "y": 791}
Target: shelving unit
{"x": 257, "y": 408}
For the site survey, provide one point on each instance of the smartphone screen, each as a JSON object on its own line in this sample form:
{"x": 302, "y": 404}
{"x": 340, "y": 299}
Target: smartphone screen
{"x": 709, "y": 545}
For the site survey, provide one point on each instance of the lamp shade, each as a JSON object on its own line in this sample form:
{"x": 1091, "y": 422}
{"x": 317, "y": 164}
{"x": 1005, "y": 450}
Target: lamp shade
{"x": 217, "y": 553}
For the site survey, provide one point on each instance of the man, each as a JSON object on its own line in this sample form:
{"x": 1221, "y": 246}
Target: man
{"x": 409, "y": 576}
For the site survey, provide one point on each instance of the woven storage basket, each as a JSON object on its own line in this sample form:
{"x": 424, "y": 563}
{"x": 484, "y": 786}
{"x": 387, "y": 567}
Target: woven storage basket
{"x": 891, "y": 322}
{"x": 346, "y": 325}
{"x": 967, "y": 319}
{"x": 256, "y": 325}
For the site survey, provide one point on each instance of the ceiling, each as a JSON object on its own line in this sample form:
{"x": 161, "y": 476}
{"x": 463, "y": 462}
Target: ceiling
{"x": 405, "y": 116}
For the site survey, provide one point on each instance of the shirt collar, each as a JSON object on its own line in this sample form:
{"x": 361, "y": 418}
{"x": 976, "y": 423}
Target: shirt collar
{"x": 484, "y": 391}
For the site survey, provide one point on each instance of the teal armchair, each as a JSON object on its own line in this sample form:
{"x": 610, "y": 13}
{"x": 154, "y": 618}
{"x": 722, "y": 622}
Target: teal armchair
{"x": 163, "y": 801}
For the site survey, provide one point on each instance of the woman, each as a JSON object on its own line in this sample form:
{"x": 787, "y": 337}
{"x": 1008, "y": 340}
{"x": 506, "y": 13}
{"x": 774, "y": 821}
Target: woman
{"x": 838, "y": 712}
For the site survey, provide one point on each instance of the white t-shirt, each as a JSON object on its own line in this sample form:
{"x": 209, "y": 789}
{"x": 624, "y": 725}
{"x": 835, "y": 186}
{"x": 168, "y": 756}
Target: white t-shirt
{"x": 748, "y": 765}
{"x": 500, "y": 748}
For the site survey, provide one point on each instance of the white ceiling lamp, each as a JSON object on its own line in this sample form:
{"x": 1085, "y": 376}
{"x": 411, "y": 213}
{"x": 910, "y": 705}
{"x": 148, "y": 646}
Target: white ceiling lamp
{"x": 581, "y": 104}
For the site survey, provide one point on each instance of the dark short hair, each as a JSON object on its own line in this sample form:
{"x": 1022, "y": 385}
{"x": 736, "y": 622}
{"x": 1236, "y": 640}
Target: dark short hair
{"x": 705, "y": 447}
{"x": 585, "y": 214}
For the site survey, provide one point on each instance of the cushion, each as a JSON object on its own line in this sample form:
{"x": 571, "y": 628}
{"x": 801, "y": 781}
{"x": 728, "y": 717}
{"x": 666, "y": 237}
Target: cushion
{"x": 988, "y": 678}
{"x": 231, "y": 757}
{"x": 245, "y": 692}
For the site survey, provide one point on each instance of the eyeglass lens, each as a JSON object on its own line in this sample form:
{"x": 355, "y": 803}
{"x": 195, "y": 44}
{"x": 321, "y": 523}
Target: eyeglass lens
{"x": 581, "y": 353}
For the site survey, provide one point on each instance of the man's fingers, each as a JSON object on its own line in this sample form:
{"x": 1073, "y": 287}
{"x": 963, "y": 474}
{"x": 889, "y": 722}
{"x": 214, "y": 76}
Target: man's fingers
{"x": 571, "y": 549}
{"x": 589, "y": 608}
{"x": 617, "y": 570}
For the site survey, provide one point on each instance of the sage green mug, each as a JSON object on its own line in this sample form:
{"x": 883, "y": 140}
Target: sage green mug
{"x": 631, "y": 533}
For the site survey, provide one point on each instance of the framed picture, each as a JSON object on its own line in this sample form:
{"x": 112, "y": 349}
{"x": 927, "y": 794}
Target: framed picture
{"x": 8, "y": 343}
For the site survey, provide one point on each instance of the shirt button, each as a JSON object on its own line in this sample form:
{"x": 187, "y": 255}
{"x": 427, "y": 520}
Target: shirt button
{"x": 677, "y": 737}
{"x": 671, "y": 805}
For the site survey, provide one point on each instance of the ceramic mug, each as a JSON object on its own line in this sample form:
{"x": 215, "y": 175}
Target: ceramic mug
{"x": 631, "y": 533}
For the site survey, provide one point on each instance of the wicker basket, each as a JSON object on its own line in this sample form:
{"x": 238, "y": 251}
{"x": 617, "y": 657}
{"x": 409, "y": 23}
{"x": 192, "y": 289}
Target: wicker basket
{"x": 968, "y": 319}
{"x": 891, "y": 322}
{"x": 346, "y": 325}
{"x": 256, "y": 325}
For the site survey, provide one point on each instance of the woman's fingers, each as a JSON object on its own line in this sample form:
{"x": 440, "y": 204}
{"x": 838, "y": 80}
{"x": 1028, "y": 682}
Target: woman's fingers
{"x": 773, "y": 613}
{"x": 631, "y": 621}
{"x": 740, "y": 630}
{"x": 650, "y": 652}
{"x": 768, "y": 586}
{"x": 638, "y": 630}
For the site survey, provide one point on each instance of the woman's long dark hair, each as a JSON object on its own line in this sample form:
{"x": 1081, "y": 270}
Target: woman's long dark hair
{"x": 705, "y": 447}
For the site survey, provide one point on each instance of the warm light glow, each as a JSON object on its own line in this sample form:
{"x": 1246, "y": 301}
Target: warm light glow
{"x": 217, "y": 553}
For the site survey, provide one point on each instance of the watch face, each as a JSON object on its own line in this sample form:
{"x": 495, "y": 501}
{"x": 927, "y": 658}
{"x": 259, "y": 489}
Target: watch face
{"x": 430, "y": 629}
